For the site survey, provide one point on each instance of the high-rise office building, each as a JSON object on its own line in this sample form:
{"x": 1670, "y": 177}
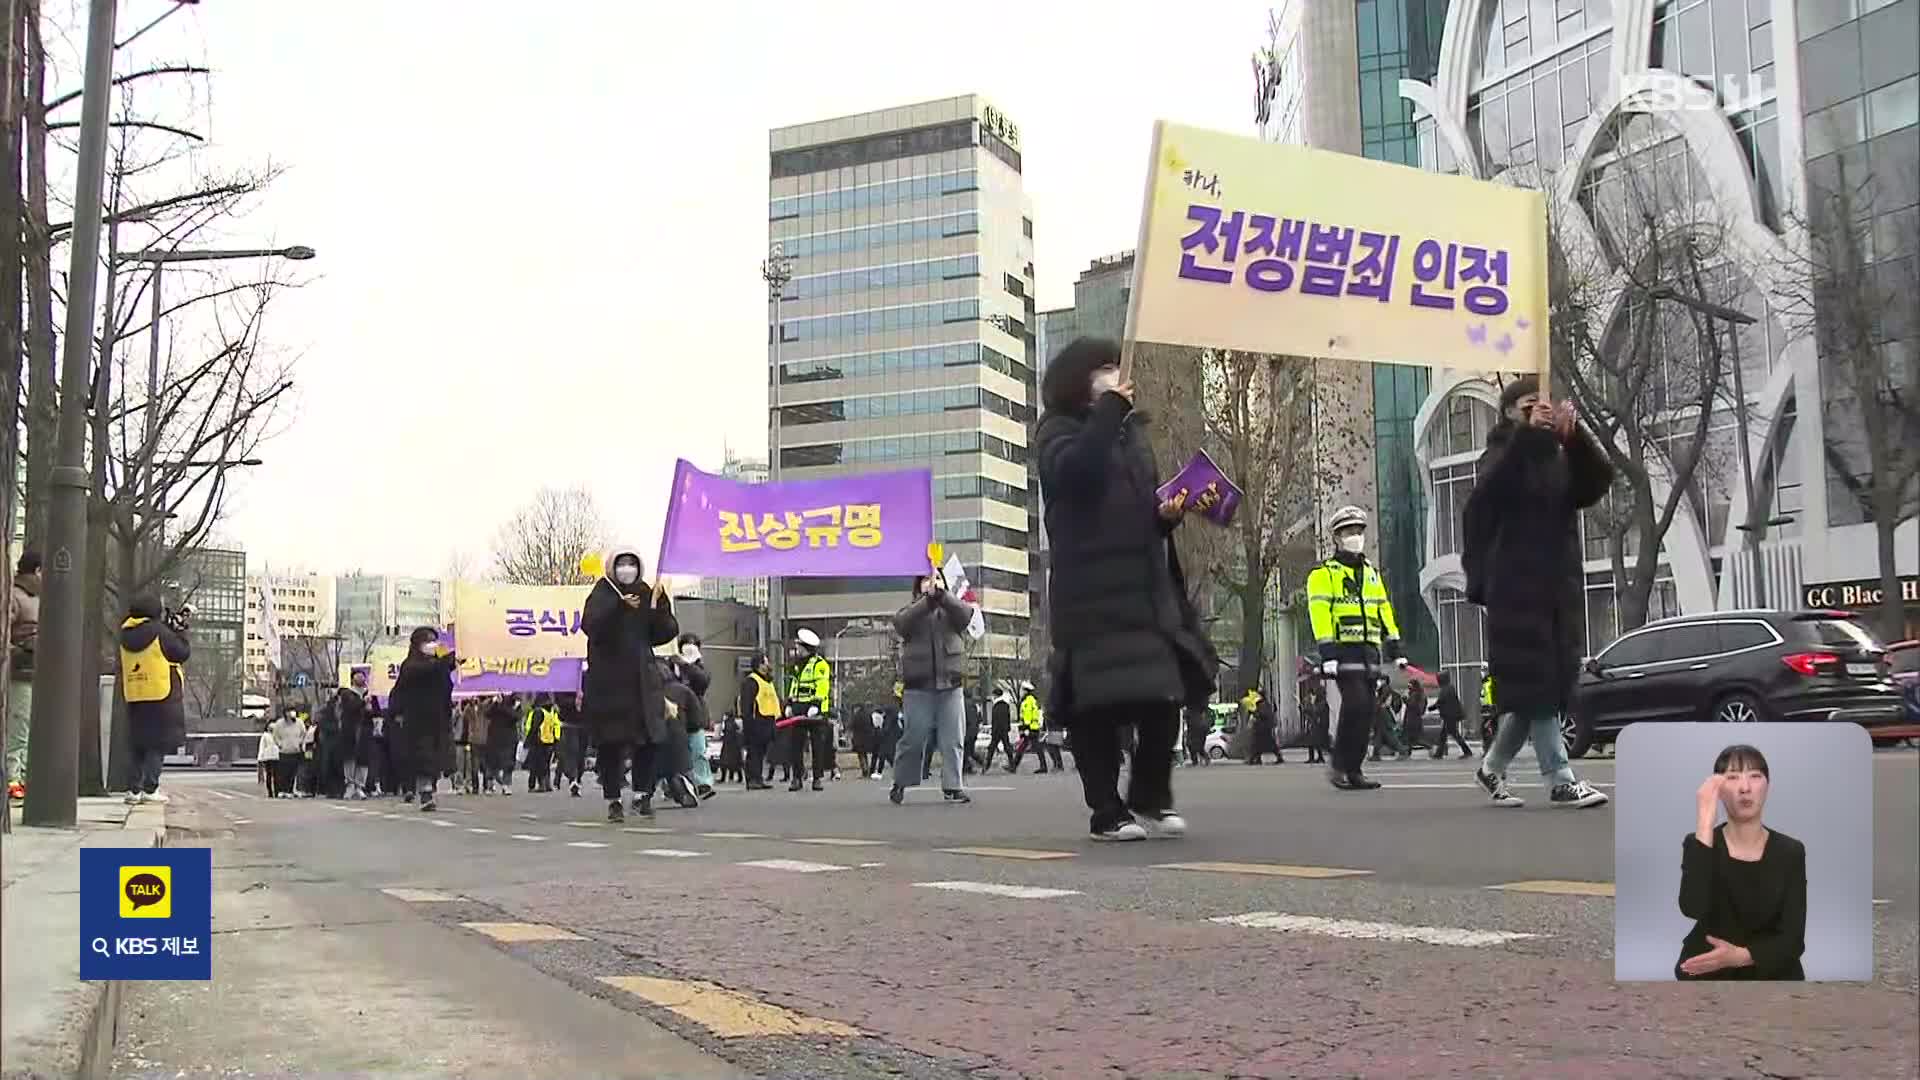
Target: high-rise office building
{"x": 214, "y": 581}
{"x": 302, "y": 605}
{"x": 372, "y": 607}
{"x": 906, "y": 339}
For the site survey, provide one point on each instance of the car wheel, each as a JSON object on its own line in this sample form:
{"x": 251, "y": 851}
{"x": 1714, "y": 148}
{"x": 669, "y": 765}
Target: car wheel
{"x": 1575, "y": 736}
{"x": 1739, "y": 708}
{"x": 1216, "y": 754}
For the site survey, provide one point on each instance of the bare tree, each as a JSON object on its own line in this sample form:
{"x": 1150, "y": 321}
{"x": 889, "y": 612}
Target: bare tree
{"x": 1647, "y": 372}
{"x": 460, "y": 566}
{"x": 1855, "y": 290}
{"x": 545, "y": 540}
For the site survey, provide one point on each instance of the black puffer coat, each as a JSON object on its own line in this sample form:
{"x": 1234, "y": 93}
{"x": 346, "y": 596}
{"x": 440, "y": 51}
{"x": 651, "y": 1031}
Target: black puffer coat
{"x": 621, "y": 692}
{"x": 1123, "y": 629}
{"x": 1522, "y": 558}
{"x": 423, "y": 695}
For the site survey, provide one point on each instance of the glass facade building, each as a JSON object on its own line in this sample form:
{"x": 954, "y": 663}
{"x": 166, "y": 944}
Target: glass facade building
{"x": 214, "y": 581}
{"x": 907, "y": 338}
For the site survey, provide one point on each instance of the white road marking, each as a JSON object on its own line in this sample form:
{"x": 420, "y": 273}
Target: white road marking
{"x": 670, "y": 853}
{"x": 242, "y": 821}
{"x": 1371, "y": 931}
{"x": 735, "y": 835}
{"x": 990, "y": 888}
{"x": 795, "y": 865}
{"x": 1471, "y": 786}
{"x": 871, "y": 865}
{"x": 586, "y": 844}
{"x": 837, "y": 841}
{"x": 527, "y": 836}
{"x": 391, "y": 817}
{"x": 481, "y": 831}
{"x": 218, "y": 794}
{"x": 444, "y": 825}
{"x": 420, "y": 896}
{"x": 530, "y": 817}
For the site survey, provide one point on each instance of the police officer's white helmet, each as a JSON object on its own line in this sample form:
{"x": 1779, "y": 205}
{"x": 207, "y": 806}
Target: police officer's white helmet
{"x": 1346, "y": 517}
{"x": 808, "y": 638}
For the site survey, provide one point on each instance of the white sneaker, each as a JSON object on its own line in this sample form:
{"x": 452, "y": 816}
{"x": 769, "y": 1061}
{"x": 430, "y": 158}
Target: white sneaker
{"x": 133, "y": 798}
{"x": 159, "y": 797}
{"x": 507, "y": 791}
{"x": 1120, "y": 833}
{"x": 1167, "y": 826}
{"x": 1496, "y": 789}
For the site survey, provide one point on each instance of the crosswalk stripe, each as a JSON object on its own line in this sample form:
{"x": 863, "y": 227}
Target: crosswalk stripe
{"x": 1371, "y": 931}
{"x": 1468, "y": 786}
{"x": 670, "y": 853}
{"x": 1008, "y": 853}
{"x": 438, "y": 824}
{"x": 242, "y": 821}
{"x": 514, "y": 932}
{"x": 420, "y": 896}
{"x": 228, "y": 797}
{"x": 835, "y": 841}
{"x": 481, "y": 831}
{"x": 726, "y": 1013}
{"x": 1559, "y": 888}
{"x": 527, "y": 836}
{"x": 649, "y": 830}
{"x": 586, "y": 844}
{"x": 735, "y": 835}
{"x": 994, "y": 888}
{"x": 798, "y": 866}
{"x": 588, "y": 824}
{"x": 1265, "y": 869}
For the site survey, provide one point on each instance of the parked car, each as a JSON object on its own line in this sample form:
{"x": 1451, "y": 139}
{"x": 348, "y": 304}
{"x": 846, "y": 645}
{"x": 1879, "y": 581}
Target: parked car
{"x": 1735, "y": 667}
{"x": 1903, "y": 657}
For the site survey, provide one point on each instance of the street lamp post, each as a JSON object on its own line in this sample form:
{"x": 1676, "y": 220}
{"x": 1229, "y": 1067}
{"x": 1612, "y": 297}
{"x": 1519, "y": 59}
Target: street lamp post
{"x": 1756, "y": 522}
{"x": 53, "y": 758}
{"x": 777, "y": 271}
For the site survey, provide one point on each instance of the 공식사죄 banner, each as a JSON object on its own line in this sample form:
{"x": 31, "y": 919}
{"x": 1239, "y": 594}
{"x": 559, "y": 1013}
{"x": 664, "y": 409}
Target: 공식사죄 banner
{"x": 1272, "y": 248}
{"x": 518, "y": 622}
{"x": 869, "y": 525}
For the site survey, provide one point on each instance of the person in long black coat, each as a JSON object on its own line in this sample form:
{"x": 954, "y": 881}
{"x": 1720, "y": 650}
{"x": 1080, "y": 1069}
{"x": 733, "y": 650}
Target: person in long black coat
{"x": 1128, "y": 651}
{"x": 622, "y": 696}
{"x": 1523, "y": 564}
{"x": 423, "y": 693}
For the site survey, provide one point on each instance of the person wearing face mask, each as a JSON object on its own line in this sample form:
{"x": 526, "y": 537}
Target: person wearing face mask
{"x": 810, "y": 697}
{"x": 623, "y": 695}
{"x": 423, "y": 692}
{"x": 1354, "y": 629}
{"x": 1128, "y": 651}
{"x": 1523, "y": 562}
{"x": 1743, "y": 884}
{"x": 760, "y": 712}
{"x": 688, "y": 668}
{"x": 933, "y": 664}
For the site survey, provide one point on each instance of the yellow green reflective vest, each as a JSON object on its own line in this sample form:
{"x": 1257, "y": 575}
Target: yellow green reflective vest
{"x": 1347, "y": 608}
{"x": 810, "y": 684}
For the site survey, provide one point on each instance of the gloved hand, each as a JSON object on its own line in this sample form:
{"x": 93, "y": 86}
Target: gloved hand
{"x": 813, "y": 710}
{"x": 1401, "y": 663}
{"x": 1330, "y": 669}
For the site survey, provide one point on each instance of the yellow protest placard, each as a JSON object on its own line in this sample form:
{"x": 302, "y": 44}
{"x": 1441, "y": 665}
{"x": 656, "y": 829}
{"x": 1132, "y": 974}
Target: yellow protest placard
{"x": 1272, "y": 248}
{"x": 519, "y": 622}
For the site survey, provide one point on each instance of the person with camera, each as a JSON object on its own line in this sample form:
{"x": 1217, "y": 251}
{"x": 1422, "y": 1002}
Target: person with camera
{"x": 153, "y": 645}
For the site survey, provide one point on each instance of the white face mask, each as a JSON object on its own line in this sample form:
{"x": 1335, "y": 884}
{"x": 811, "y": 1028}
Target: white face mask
{"x": 690, "y": 653}
{"x": 626, "y": 573}
{"x": 1104, "y": 380}
{"x": 1354, "y": 543}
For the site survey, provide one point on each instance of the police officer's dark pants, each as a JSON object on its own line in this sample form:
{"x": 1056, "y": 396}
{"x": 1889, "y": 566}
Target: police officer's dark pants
{"x": 1355, "y": 725}
{"x": 817, "y": 734}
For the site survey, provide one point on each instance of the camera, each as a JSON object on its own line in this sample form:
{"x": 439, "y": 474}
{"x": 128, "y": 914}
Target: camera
{"x": 178, "y": 618}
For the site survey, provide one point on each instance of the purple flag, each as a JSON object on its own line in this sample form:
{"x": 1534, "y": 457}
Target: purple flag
{"x": 485, "y": 675}
{"x": 1204, "y": 487}
{"x": 869, "y": 525}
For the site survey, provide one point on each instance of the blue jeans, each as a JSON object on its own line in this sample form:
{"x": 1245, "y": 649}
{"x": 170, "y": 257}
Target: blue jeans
{"x": 1544, "y": 729}
{"x": 702, "y": 768}
{"x": 933, "y": 718}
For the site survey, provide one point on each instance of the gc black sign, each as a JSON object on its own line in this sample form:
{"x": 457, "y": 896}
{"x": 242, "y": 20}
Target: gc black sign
{"x": 1859, "y": 593}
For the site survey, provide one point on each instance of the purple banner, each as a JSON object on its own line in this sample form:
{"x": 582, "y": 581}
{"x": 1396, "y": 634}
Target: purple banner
{"x": 870, "y": 525}
{"x": 488, "y": 675}
{"x": 1205, "y": 488}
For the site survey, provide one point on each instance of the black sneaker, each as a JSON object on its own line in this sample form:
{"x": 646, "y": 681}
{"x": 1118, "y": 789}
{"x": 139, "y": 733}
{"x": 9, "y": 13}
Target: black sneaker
{"x": 705, "y": 791}
{"x": 573, "y": 790}
{"x": 1120, "y": 832}
{"x": 615, "y": 812}
{"x": 645, "y": 807}
{"x": 426, "y": 805}
{"x": 897, "y": 796}
{"x": 1577, "y": 795}
{"x": 818, "y": 786}
{"x": 1359, "y": 781}
{"x": 795, "y": 786}
{"x": 958, "y": 797}
{"x": 1339, "y": 779}
{"x": 1496, "y": 789}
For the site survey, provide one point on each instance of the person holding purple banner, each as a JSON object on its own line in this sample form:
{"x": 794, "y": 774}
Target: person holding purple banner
{"x": 622, "y": 693}
{"x": 1128, "y": 650}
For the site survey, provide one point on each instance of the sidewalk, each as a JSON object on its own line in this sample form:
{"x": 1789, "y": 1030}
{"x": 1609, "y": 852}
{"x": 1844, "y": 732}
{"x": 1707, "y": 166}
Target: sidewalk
{"x": 53, "y": 1025}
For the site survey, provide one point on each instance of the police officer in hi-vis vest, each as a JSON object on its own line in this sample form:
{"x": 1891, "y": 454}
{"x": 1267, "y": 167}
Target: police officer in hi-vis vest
{"x": 1354, "y": 627}
{"x": 809, "y": 697}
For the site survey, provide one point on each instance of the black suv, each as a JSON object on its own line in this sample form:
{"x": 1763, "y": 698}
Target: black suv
{"x": 1735, "y": 667}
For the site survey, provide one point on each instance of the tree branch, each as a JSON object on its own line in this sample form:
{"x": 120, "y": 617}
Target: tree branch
{"x": 170, "y": 69}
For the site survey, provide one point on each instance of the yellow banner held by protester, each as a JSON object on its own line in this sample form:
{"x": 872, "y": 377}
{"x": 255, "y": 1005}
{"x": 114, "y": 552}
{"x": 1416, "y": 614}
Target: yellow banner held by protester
{"x": 519, "y": 622}
{"x": 1272, "y": 248}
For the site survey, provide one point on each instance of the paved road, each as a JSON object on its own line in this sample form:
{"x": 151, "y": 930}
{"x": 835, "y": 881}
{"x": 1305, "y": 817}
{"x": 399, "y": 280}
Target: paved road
{"x": 1303, "y": 932}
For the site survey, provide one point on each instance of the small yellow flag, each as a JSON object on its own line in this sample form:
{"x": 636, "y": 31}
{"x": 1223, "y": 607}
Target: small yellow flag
{"x": 936, "y": 553}
{"x": 592, "y": 564}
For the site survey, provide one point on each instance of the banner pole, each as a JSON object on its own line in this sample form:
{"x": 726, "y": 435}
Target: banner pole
{"x": 1127, "y": 337}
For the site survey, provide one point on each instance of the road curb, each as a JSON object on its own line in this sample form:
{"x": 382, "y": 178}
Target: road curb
{"x": 81, "y": 1045}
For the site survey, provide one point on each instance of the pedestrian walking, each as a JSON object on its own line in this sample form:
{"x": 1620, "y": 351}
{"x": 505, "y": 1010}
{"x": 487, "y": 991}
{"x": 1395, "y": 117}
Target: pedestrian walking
{"x": 23, "y": 617}
{"x": 976, "y": 719}
{"x": 1001, "y": 731}
{"x": 933, "y": 663}
{"x": 153, "y": 646}
{"x": 623, "y": 698}
{"x": 1032, "y": 728}
{"x": 266, "y": 757}
{"x": 380, "y": 754}
{"x": 1413, "y": 718}
{"x": 1523, "y": 561}
{"x": 355, "y": 736}
{"x": 573, "y": 742}
{"x": 1199, "y": 726}
{"x": 543, "y": 739}
{"x": 760, "y": 711}
{"x": 1257, "y": 711}
{"x": 1452, "y": 716}
{"x": 423, "y": 692}
{"x": 1383, "y": 724}
{"x": 289, "y": 735}
{"x": 1316, "y": 717}
{"x": 688, "y": 668}
{"x": 1127, "y": 645}
{"x": 732, "y": 750}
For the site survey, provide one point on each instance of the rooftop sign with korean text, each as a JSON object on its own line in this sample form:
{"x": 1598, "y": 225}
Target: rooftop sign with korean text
{"x": 1271, "y": 248}
{"x": 995, "y": 123}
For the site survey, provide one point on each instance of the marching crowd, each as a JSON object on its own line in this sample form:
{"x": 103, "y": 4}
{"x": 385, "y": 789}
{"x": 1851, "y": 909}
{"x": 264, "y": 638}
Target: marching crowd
{"x": 1130, "y": 676}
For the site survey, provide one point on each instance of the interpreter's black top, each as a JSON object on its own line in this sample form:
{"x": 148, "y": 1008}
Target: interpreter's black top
{"x": 1761, "y": 905}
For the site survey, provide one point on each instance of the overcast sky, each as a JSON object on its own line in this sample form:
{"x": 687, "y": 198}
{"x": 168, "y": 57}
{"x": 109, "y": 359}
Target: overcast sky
{"x": 539, "y": 235}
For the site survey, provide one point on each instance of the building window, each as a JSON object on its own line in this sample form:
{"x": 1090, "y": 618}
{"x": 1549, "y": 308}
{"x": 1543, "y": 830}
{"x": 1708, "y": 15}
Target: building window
{"x": 890, "y": 146}
{"x": 1026, "y": 227}
{"x": 861, "y": 365}
{"x": 890, "y": 234}
{"x": 880, "y": 321}
{"x": 916, "y": 403}
{"x": 902, "y": 448}
{"x": 887, "y": 193}
{"x": 894, "y": 276}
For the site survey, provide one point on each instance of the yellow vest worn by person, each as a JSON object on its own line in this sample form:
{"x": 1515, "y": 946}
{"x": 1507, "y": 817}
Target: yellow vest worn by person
{"x": 1347, "y": 608}
{"x": 811, "y": 684}
{"x": 147, "y": 675}
{"x": 549, "y": 726}
{"x": 765, "y": 701}
{"x": 1030, "y": 713}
